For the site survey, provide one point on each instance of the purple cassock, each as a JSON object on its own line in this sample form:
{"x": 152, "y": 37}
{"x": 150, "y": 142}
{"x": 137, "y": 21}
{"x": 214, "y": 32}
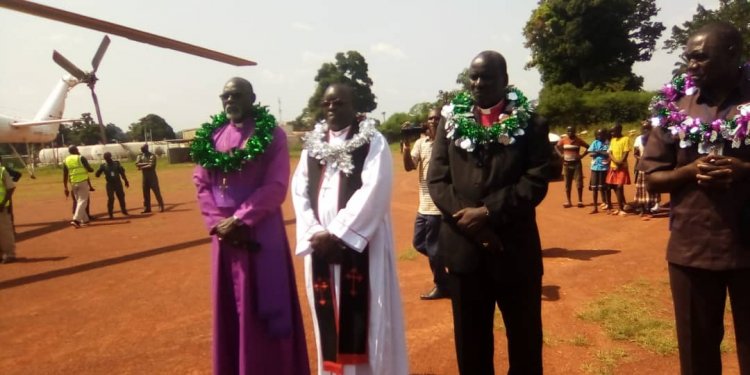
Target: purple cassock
{"x": 257, "y": 321}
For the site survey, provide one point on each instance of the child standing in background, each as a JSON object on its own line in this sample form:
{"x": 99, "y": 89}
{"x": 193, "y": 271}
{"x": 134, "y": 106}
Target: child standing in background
{"x": 599, "y": 168}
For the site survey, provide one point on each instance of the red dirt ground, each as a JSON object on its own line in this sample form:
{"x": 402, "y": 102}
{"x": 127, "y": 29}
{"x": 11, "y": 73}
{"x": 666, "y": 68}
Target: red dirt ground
{"x": 131, "y": 296}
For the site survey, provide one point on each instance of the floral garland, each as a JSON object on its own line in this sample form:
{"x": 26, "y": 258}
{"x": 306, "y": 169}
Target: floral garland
{"x": 203, "y": 150}
{"x": 667, "y": 114}
{"x": 467, "y": 133}
{"x": 337, "y": 156}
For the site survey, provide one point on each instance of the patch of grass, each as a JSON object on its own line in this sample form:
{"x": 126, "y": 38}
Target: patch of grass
{"x": 408, "y": 254}
{"x": 607, "y": 360}
{"x": 580, "y": 340}
{"x": 548, "y": 339}
{"x": 631, "y": 313}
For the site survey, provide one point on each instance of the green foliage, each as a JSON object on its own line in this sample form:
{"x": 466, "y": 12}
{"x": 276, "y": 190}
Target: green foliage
{"x": 736, "y": 12}
{"x": 391, "y": 128}
{"x": 114, "y": 133}
{"x": 592, "y": 44}
{"x": 84, "y": 132}
{"x": 157, "y": 128}
{"x": 418, "y": 112}
{"x": 463, "y": 79}
{"x": 568, "y": 105}
{"x": 349, "y": 68}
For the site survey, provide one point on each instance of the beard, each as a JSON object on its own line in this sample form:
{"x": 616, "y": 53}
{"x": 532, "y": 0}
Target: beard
{"x": 234, "y": 113}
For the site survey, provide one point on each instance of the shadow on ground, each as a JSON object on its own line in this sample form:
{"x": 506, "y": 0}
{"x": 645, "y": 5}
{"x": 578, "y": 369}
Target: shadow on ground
{"x": 558, "y": 252}
{"x": 550, "y": 293}
{"x": 100, "y": 263}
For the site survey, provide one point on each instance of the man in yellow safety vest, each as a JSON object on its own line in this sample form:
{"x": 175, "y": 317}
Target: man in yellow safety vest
{"x": 76, "y": 169}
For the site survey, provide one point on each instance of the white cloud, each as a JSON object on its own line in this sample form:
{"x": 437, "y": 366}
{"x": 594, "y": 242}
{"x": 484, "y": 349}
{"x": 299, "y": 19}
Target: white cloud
{"x": 386, "y": 49}
{"x": 302, "y": 26}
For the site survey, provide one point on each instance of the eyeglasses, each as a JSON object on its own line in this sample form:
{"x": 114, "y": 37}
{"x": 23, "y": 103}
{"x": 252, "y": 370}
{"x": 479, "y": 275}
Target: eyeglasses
{"x": 434, "y": 118}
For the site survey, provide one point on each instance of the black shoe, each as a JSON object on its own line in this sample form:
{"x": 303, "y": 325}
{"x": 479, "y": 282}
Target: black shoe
{"x": 161, "y": 208}
{"x": 146, "y": 211}
{"x": 125, "y": 213}
{"x": 435, "y": 293}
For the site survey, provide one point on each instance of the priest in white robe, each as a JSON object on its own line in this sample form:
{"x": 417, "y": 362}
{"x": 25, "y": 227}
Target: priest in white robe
{"x": 341, "y": 192}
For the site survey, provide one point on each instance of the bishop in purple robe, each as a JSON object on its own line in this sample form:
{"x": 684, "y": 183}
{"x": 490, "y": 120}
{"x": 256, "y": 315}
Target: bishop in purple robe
{"x": 257, "y": 321}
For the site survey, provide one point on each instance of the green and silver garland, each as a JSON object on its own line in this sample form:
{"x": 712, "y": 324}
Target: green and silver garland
{"x": 467, "y": 133}
{"x": 203, "y": 151}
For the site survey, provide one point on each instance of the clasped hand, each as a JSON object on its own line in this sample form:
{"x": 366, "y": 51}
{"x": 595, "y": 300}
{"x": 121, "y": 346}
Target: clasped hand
{"x": 718, "y": 171}
{"x": 226, "y": 229}
{"x": 471, "y": 219}
{"x": 328, "y": 247}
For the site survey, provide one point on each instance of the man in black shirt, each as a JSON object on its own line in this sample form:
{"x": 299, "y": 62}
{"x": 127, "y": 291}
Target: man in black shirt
{"x": 112, "y": 172}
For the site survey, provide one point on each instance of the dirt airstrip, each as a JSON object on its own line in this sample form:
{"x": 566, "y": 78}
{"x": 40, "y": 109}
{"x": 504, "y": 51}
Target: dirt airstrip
{"x": 131, "y": 295}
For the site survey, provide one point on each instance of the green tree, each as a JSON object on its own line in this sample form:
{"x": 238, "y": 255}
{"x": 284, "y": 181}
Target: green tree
{"x": 83, "y": 132}
{"x": 156, "y": 127}
{"x": 349, "y": 68}
{"x": 592, "y": 43}
{"x": 736, "y": 12}
{"x": 418, "y": 112}
{"x": 114, "y": 133}
{"x": 391, "y": 128}
{"x": 463, "y": 79}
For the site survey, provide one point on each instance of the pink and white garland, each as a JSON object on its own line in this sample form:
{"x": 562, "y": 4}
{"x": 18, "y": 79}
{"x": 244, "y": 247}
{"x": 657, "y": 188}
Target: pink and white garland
{"x": 692, "y": 130}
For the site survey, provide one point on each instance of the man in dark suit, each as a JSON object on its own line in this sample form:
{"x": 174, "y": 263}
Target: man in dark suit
{"x": 487, "y": 181}
{"x": 708, "y": 180}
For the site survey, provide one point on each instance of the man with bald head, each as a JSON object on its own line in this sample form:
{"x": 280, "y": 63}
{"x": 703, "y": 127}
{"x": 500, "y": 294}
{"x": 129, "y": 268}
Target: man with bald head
{"x": 257, "y": 320}
{"x": 341, "y": 192}
{"x": 487, "y": 174}
{"x": 708, "y": 180}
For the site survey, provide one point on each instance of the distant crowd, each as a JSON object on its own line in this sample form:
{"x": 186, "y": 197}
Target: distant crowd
{"x": 609, "y": 171}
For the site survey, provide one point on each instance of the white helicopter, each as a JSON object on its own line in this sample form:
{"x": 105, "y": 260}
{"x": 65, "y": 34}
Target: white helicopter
{"x": 44, "y": 126}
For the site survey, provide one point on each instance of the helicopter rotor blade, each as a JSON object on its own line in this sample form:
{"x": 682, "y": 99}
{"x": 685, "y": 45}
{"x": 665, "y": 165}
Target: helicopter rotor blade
{"x": 123, "y": 31}
{"x": 99, "y": 116}
{"x": 68, "y": 66}
{"x": 100, "y": 53}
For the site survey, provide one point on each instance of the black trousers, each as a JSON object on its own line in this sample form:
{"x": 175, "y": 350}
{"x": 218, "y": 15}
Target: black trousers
{"x": 699, "y": 297}
{"x": 474, "y": 297}
{"x": 151, "y": 183}
{"x": 425, "y": 241}
{"x": 112, "y": 191}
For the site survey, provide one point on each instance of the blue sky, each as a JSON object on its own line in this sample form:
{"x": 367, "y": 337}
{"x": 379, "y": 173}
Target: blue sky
{"x": 413, "y": 47}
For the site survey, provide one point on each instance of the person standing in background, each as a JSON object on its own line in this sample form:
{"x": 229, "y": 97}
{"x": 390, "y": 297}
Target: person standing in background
{"x": 427, "y": 224}
{"x": 146, "y": 163}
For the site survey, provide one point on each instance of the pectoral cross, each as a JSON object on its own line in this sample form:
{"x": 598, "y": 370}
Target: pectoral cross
{"x": 355, "y": 277}
{"x": 223, "y": 186}
{"x": 320, "y": 286}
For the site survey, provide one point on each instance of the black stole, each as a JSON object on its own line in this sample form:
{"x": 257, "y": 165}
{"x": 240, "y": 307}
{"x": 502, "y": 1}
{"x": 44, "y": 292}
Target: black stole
{"x": 343, "y": 338}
